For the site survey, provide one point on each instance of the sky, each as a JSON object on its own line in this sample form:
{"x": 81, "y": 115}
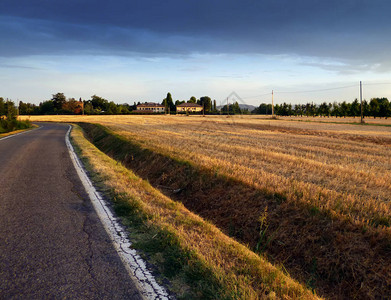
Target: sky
{"x": 138, "y": 50}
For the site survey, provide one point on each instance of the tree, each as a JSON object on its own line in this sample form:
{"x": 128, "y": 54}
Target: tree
{"x": 112, "y": 108}
{"x": 2, "y": 108}
{"x": 192, "y": 100}
{"x": 263, "y": 109}
{"x": 309, "y": 109}
{"x": 134, "y": 106}
{"x": 374, "y": 107}
{"x": 10, "y": 110}
{"x": 232, "y": 108}
{"x": 72, "y": 106}
{"x": 384, "y": 107}
{"x": 22, "y": 108}
{"x": 324, "y": 109}
{"x": 46, "y": 107}
{"x": 27, "y": 108}
{"x": 99, "y": 104}
{"x": 298, "y": 109}
{"x": 124, "y": 109}
{"x": 168, "y": 103}
{"x": 335, "y": 111}
{"x": 355, "y": 109}
{"x": 88, "y": 108}
{"x": 236, "y": 108}
{"x": 344, "y": 108}
{"x": 277, "y": 109}
{"x": 283, "y": 109}
{"x": 289, "y": 110}
{"x": 206, "y": 103}
{"x": 59, "y": 100}
{"x": 366, "y": 108}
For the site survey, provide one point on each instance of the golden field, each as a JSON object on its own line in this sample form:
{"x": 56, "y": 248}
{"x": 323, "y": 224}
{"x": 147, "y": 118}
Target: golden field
{"x": 340, "y": 167}
{"x": 326, "y": 186}
{"x": 235, "y": 271}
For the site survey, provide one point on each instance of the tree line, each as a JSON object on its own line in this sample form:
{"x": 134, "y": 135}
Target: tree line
{"x": 59, "y": 104}
{"x": 376, "y": 107}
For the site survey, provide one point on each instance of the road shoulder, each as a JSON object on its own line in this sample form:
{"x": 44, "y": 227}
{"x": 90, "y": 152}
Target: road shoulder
{"x": 133, "y": 263}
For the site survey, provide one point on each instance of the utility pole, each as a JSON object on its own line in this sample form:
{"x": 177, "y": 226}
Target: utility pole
{"x": 227, "y": 107}
{"x": 362, "y": 113}
{"x": 272, "y": 104}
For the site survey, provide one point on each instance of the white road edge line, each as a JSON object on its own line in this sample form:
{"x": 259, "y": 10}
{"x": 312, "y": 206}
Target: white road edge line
{"x": 133, "y": 263}
{"x": 16, "y": 134}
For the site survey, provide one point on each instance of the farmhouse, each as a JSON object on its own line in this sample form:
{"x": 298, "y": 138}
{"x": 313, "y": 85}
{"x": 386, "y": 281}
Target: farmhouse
{"x": 150, "y": 107}
{"x": 188, "y": 107}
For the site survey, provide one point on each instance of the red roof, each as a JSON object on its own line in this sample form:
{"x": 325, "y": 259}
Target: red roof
{"x": 150, "y": 105}
{"x": 189, "y": 105}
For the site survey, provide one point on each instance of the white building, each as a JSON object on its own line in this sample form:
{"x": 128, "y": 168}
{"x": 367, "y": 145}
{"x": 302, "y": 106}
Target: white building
{"x": 150, "y": 107}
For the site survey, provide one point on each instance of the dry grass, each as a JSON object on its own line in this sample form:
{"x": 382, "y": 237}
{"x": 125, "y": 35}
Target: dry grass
{"x": 367, "y": 120}
{"x": 342, "y": 171}
{"x": 11, "y": 133}
{"x": 243, "y": 274}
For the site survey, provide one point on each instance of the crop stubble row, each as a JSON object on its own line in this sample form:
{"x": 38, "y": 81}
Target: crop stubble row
{"x": 347, "y": 176}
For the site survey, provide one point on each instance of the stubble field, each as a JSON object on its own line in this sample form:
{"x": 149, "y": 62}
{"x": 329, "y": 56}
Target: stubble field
{"x": 312, "y": 196}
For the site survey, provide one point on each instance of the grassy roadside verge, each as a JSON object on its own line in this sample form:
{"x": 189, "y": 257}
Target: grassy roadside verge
{"x": 10, "y": 126}
{"x": 198, "y": 259}
{"x": 4, "y": 134}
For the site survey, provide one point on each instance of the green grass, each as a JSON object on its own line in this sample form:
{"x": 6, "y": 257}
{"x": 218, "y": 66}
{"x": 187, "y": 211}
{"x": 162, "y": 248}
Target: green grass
{"x": 13, "y": 125}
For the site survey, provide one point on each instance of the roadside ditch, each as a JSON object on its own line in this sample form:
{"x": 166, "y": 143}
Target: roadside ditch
{"x": 331, "y": 254}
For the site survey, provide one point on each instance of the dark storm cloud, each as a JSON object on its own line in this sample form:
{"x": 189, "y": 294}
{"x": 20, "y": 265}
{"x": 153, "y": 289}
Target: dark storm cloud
{"x": 350, "y": 30}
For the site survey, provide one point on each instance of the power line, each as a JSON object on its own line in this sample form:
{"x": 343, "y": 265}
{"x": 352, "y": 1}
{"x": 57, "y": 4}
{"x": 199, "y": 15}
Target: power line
{"x": 319, "y": 90}
{"x": 382, "y": 83}
{"x": 257, "y": 96}
{"x": 311, "y": 91}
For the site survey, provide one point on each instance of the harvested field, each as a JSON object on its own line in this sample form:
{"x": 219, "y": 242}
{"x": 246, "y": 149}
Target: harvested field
{"x": 194, "y": 257}
{"x": 314, "y": 197}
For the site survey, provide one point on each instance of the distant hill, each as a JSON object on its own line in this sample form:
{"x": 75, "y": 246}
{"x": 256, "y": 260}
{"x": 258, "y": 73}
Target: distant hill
{"x": 247, "y": 106}
{"x": 242, "y": 106}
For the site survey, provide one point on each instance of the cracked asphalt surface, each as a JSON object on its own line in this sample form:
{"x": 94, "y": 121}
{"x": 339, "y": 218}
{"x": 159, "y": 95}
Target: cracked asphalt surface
{"x": 52, "y": 244}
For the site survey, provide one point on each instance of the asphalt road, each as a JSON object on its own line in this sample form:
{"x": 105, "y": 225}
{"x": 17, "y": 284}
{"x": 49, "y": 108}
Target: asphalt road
{"x": 52, "y": 244}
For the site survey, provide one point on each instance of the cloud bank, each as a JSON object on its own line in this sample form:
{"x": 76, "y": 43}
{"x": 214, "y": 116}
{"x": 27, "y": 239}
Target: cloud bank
{"x": 355, "y": 31}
